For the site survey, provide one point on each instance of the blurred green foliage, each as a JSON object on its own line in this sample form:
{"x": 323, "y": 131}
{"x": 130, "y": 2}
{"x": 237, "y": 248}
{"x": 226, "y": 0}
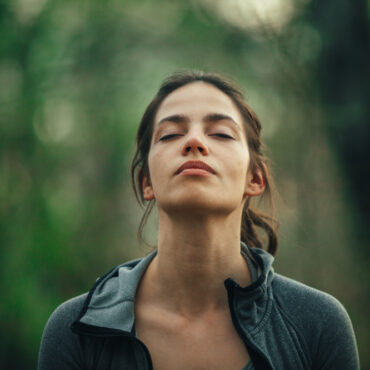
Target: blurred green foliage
{"x": 75, "y": 77}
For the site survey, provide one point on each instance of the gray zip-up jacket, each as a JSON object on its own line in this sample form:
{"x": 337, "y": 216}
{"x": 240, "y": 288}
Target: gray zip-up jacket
{"x": 284, "y": 324}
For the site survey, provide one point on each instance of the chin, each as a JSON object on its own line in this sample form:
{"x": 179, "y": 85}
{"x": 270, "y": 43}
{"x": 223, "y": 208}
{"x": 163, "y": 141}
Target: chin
{"x": 197, "y": 205}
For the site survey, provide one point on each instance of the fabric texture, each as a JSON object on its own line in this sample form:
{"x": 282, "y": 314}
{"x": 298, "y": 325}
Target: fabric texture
{"x": 283, "y": 323}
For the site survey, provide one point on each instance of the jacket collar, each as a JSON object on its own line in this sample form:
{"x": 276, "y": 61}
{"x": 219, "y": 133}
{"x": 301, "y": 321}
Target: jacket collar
{"x": 109, "y": 305}
{"x": 251, "y": 305}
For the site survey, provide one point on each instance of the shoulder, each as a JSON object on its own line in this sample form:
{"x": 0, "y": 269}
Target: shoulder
{"x": 68, "y": 310}
{"x": 64, "y": 315}
{"x": 302, "y": 298}
{"x": 319, "y": 319}
{"x": 307, "y": 305}
{"x": 60, "y": 347}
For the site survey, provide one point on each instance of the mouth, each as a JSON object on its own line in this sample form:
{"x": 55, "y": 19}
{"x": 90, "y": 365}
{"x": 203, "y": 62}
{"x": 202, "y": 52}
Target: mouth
{"x": 195, "y": 168}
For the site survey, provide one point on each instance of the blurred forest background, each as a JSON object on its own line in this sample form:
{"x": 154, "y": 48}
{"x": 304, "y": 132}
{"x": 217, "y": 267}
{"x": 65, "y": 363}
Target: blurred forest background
{"x": 75, "y": 78}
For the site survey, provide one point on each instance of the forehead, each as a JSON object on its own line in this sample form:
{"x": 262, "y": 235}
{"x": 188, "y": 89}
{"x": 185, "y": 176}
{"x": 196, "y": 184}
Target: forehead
{"x": 198, "y": 98}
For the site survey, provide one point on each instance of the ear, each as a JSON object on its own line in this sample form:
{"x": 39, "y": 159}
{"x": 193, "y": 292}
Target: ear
{"x": 147, "y": 189}
{"x": 255, "y": 184}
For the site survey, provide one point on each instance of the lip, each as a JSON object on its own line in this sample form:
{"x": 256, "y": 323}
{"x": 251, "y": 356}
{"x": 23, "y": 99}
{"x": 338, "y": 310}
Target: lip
{"x": 195, "y": 165}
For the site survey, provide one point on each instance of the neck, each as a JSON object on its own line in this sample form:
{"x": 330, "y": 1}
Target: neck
{"x": 195, "y": 256}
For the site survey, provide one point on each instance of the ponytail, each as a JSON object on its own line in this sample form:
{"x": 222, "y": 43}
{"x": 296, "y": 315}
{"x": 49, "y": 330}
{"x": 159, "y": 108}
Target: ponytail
{"x": 249, "y": 235}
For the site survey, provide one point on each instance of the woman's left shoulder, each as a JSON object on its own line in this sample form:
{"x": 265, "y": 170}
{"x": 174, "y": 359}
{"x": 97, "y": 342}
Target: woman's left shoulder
{"x": 301, "y": 297}
{"x": 308, "y": 306}
{"x": 320, "y": 320}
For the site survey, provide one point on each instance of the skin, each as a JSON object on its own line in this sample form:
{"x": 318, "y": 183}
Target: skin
{"x": 199, "y": 229}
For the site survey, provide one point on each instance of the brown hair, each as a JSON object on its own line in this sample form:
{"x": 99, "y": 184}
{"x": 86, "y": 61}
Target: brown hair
{"x": 139, "y": 167}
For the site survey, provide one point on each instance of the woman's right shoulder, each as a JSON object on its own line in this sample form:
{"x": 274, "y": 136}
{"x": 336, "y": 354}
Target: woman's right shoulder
{"x": 60, "y": 348}
{"x": 67, "y": 312}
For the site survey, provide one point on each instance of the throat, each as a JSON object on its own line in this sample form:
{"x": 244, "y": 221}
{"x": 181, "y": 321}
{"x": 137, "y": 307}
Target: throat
{"x": 194, "y": 259}
{"x": 191, "y": 287}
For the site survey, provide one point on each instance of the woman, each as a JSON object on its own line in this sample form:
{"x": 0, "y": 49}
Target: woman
{"x": 207, "y": 297}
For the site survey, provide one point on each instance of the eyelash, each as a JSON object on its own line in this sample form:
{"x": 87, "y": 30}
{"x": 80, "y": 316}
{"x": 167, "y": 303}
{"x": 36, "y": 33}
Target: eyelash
{"x": 223, "y": 136}
{"x": 168, "y": 137}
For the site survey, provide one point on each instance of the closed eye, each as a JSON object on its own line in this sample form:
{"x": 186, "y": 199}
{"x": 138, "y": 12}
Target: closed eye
{"x": 168, "y": 137}
{"x": 223, "y": 136}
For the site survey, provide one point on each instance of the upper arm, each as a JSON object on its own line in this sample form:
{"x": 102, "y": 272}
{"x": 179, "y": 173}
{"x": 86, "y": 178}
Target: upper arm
{"x": 60, "y": 348}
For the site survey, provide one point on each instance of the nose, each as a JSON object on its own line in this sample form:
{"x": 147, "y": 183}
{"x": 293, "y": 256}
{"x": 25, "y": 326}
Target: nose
{"x": 194, "y": 144}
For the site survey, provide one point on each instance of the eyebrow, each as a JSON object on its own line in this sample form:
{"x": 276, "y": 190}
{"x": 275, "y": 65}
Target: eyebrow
{"x": 211, "y": 117}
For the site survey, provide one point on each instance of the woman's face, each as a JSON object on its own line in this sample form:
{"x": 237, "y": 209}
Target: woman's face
{"x": 201, "y": 124}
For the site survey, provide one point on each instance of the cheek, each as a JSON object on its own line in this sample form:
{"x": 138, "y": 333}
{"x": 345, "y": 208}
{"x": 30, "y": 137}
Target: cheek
{"x": 151, "y": 165}
{"x": 239, "y": 162}
{"x": 157, "y": 166}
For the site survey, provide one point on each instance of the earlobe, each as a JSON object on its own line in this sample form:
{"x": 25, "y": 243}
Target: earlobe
{"x": 255, "y": 184}
{"x": 147, "y": 189}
